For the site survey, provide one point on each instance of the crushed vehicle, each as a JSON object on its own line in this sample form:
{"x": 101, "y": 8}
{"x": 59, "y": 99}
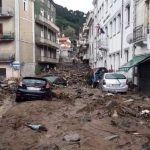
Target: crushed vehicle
{"x": 114, "y": 82}
{"x": 56, "y": 80}
{"x": 33, "y": 88}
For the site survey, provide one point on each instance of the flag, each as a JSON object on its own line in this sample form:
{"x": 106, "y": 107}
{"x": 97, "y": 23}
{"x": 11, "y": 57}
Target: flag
{"x": 99, "y": 29}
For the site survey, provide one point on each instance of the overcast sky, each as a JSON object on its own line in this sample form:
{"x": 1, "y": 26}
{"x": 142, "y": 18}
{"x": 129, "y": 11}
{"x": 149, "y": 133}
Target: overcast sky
{"x": 82, "y": 5}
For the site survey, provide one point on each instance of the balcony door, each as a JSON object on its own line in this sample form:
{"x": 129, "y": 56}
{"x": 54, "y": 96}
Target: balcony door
{"x": 1, "y": 30}
{"x": 0, "y": 6}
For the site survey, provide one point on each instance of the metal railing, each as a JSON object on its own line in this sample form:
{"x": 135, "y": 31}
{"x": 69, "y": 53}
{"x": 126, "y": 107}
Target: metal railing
{"x": 103, "y": 43}
{"x": 6, "y": 12}
{"x": 7, "y": 36}
{"x": 140, "y": 33}
{"x": 7, "y": 57}
{"x": 48, "y": 59}
{"x": 45, "y": 21}
{"x": 45, "y": 41}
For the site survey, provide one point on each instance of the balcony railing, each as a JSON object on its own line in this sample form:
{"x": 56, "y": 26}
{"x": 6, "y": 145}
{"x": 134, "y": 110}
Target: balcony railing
{"x": 44, "y": 41}
{"x": 7, "y": 57}
{"x": 7, "y": 36}
{"x": 140, "y": 34}
{"x": 43, "y": 59}
{"x": 44, "y": 21}
{"x": 103, "y": 44}
{"x": 6, "y": 12}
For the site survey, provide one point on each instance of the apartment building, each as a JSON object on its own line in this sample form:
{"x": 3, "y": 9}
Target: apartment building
{"x": 16, "y": 40}
{"x": 46, "y": 31}
{"x": 84, "y": 44}
{"x": 27, "y": 37}
{"x": 121, "y": 38}
{"x": 113, "y": 22}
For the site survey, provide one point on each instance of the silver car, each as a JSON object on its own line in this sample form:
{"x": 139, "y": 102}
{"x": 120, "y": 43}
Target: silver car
{"x": 114, "y": 82}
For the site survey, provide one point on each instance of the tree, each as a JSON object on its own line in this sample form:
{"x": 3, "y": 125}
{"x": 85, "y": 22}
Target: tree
{"x": 69, "y": 32}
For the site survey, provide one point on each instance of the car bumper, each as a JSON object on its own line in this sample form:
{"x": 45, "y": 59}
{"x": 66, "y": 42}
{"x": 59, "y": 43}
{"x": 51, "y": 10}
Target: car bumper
{"x": 21, "y": 93}
{"x": 115, "y": 90}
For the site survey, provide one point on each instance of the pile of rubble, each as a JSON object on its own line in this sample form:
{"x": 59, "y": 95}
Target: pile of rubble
{"x": 7, "y": 88}
{"x": 74, "y": 73}
{"x": 9, "y": 85}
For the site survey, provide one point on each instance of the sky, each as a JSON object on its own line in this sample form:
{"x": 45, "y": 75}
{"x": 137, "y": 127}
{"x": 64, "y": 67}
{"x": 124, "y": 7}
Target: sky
{"x": 82, "y": 5}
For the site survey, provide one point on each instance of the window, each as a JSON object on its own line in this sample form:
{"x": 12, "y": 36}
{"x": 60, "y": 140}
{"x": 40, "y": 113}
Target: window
{"x": 119, "y": 23}
{"x": 2, "y": 72}
{"x": 1, "y": 29}
{"x": 102, "y": 10}
{"x": 100, "y": 13}
{"x": 42, "y": 12}
{"x": 42, "y": 53}
{"x": 106, "y": 5}
{"x": 106, "y": 31}
{"x": 42, "y": 33}
{"x": 25, "y": 5}
{"x": 114, "y": 27}
{"x": 48, "y": 35}
{"x": 126, "y": 55}
{"x": 128, "y": 15}
{"x": 110, "y": 29}
{"x": 111, "y": 3}
{"x": 49, "y": 3}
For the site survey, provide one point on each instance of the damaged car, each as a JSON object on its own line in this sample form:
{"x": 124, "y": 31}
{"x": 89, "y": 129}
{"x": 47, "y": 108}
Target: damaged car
{"x": 33, "y": 88}
{"x": 114, "y": 82}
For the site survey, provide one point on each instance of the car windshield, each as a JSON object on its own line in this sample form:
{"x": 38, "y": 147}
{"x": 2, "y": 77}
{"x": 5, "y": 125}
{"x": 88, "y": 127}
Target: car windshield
{"x": 115, "y": 76}
{"x": 51, "y": 78}
{"x": 33, "y": 82}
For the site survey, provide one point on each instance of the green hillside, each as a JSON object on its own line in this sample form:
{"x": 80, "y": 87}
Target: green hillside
{"x": 69, "y": 21}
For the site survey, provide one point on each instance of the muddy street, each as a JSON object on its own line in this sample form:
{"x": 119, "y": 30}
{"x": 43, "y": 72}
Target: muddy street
{"x": 77, "y": 118}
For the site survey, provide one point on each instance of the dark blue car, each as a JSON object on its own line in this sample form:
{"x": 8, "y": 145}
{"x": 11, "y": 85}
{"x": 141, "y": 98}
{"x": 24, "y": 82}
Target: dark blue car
{"x": 33, "y": 88}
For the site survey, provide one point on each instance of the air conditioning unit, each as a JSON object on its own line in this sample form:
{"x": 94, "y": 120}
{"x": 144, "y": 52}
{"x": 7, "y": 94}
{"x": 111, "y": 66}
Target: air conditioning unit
{"x": 129, "y": 38}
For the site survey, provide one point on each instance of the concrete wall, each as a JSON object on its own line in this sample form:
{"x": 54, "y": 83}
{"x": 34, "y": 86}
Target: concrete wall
{"x": 10, "y": 72}
{"x": 26, "y": 38}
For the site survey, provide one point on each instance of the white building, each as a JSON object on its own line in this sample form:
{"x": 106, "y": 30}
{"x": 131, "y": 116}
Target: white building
{"x": 115, "y": 18}
{"x": 124, "y": 44}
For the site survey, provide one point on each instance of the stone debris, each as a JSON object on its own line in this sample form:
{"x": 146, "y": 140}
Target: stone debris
{"x": 72, "y": 137}
{"x": 112, "y": 137}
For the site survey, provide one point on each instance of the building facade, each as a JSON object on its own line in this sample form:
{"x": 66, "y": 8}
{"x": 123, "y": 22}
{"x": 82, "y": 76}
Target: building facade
{"x": 120, "y": 38}
{"x": 46, "y": 31}
{"x": 113, "y": 25}
{"x": 16, "y": 40}
{"x": 27, "y": 36}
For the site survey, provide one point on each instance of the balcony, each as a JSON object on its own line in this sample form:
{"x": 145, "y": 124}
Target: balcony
{"x": 7, "y": 36}
{"x": 6, "y": 12}
{"x": 140, "y": 35}
{"x": 46, "y": 42}
{"x": 43, "y": 59}
{"x": 103, "y": 44}
{"x": 7, "y": 57}
{"x": 44, "y": 21}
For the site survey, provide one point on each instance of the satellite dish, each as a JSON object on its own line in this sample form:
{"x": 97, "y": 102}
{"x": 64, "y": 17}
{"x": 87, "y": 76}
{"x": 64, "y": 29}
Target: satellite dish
{"x": 129, "y": 38}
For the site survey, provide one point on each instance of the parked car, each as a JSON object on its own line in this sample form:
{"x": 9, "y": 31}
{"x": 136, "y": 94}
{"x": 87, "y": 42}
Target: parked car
{"x": 33, "y": 88}
{"x": 97, "y": 76}
{"x": 56, "y": 80}
{"x": 114, "y": 82}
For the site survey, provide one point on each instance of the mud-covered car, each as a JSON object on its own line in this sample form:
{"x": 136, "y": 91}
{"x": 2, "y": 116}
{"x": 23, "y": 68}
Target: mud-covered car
{"x": 33, "y": 88}
{"x": 56, "y": 80}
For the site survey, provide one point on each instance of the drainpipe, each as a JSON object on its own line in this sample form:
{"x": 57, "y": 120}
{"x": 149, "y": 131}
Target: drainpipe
{"x": 122, "y": 27}
{"x": 17, "y": 32}
{"x": 33, "y": 36}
